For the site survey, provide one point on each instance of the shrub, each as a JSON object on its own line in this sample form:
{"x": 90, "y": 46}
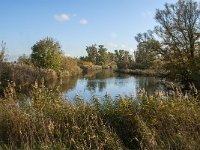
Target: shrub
{"x": 46, "y": 54}
{"x": 69, "y": 67}
{"x": 24, "y": 76}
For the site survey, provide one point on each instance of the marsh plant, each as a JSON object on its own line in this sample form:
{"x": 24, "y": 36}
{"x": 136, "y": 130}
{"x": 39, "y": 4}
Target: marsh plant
{"x": 46, "y": 120}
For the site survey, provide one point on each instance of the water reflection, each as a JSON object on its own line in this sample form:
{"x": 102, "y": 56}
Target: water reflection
{"x": 100, "y": 83}
{"x": 69, "y": 84}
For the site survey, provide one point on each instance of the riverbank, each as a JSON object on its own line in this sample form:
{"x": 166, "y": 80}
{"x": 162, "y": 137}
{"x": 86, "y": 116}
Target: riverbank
{"x": 24, "y": 76}
{"x": 147, "y": 122}
{"x": 90, "y": 68}
{"x": 145, "y": 72}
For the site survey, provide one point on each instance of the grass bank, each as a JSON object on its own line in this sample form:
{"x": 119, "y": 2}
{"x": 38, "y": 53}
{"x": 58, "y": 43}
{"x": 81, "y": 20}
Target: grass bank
{"x": 47, "y": 121}
{"x": 142, "y": 72}
{"x": 88, "y": 67}
{"x": 25, "y": 75}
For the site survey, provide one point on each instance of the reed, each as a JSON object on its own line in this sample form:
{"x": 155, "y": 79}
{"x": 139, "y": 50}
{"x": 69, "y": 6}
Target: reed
{"x": 47, "y": 121}
{"x": 25, "y": 75}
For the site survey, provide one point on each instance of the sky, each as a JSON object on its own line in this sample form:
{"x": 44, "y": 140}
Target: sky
{"x": 75, "y": 24}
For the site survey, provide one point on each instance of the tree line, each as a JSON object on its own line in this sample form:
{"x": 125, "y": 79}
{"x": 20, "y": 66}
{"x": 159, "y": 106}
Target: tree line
{"x": 172, "y": 46}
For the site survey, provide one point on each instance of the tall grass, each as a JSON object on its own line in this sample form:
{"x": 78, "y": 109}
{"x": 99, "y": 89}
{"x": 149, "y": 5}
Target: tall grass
{"x": 46, "y": 121}
{"x": 25, "y": 75}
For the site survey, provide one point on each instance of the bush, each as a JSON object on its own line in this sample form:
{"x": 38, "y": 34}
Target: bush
{"x": 69, "y": 67}
{"x": 46, "y": 54}
{"x": 24, "y": 76}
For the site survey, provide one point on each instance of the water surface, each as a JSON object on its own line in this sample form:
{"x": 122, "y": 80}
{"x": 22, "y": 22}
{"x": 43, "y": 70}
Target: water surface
{"x": 107, "y": 82}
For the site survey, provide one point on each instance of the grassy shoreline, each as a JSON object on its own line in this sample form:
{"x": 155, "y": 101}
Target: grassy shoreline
{"x": 144, "y": 72}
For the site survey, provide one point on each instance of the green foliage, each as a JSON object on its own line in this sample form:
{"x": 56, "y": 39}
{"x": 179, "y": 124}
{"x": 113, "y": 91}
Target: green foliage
{"x": 123, "y": 59}
{"x": 92, "y": 54}
{"x": 24, "y": 59}
{"x": 145, "y": 56}
{"x": 69, "y": 66}
{"x": 179, "y": 31}
{"x": 100, "y": 56}
{"x": 46, "y": 54}
{"x": 2, "y": 51}
{"x": 177, "y": 48}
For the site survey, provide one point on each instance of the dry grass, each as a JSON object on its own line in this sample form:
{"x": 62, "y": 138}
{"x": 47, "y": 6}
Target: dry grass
{"x": 25, "y": 75}
{"x": 47, "y": 121}
{"x": 143, "y": 72}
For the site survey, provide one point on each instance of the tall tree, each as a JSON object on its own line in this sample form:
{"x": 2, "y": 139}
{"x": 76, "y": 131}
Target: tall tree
{"x": 2, "y": 51}
{"x": 24, "y": 59}
{"x": 145, "y": 55}
{"x": 47, "y": 54}
{"x": 102, "y": 58}
{"x": 92, "y": 53}
{"x": 179, "y": 30}
{"x": 123, "y": 59}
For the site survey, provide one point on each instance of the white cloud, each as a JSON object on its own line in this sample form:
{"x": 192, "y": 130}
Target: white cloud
{"x": 62, "y": 17}
{"x": 83, "y": 21}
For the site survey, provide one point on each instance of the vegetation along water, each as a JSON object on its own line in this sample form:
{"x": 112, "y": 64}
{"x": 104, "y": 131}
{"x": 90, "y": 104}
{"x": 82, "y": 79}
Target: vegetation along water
{"x": 108, "y": 100}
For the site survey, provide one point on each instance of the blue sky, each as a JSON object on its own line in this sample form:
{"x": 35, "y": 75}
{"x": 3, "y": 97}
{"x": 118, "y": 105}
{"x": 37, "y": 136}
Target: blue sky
{"x": 75, "y": 23}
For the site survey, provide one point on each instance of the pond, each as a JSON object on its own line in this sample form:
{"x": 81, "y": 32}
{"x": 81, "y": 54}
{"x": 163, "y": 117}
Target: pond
{"x": 99, "y": 84}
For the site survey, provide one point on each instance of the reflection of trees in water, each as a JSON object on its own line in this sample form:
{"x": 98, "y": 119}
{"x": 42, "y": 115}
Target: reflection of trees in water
{"x": 68, "y": 84}
{"x": 91, "y": 75}
{"x": 99, "y": 82}
{"x": 96, "y": 79}
{"x": 120, "y": 82}
{"x": 101, "y": 85}
{"x": 102, "y": 74}
{"x": 150, "y": 84}
{"x": 91, "y": 85}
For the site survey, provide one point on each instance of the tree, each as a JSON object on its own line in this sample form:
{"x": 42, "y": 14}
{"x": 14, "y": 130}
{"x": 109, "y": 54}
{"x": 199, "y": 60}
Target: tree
{"x": 146, "y": 55}
{"x": 102, "y": 57}
{"x": 47, "y": 54}
{"x": 24, "y": 59}
{"x": 2, "y": 51}
{"x": 179, "y": 31}
{"x": 92, "y": 53}
{"x": 123, "y": 59}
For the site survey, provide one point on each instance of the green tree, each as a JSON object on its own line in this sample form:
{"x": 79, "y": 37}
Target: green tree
{"x": 179, "y": 31}
{"x": 2, "y": 51}
{"x": 102, "y": 57}
{"x": 123, "y": 59}
{"x": 47, "y": 54}
{"x": 145, "y": 55}
{"x": 112, "y": 63}
{"x": 92, "y": 53}
{"x": 24, "y": 59}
